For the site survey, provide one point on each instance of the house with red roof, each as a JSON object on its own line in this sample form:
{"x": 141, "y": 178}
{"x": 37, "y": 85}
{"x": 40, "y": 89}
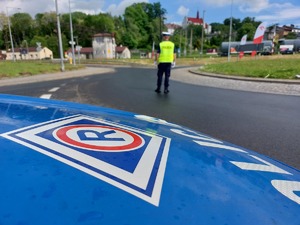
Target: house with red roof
{"x": 81, "y": 53}
{"x": 172, "y": 27}
{"x": 30, "y": 53}
{"x": 122, "y": 52}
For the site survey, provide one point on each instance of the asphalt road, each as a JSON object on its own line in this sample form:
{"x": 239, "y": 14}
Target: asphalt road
{"x": 264, "y": 122}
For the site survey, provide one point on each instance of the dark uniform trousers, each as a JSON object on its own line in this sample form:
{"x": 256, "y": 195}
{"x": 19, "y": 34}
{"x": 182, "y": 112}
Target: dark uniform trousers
{"x": 163, "y": 68}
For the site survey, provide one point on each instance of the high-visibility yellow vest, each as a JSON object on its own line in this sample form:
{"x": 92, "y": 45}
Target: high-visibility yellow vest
{"x": 166, "y": 54}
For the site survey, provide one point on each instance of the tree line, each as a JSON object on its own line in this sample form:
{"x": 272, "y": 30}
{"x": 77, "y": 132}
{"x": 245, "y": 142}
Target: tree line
{"x": 139, "y": 27}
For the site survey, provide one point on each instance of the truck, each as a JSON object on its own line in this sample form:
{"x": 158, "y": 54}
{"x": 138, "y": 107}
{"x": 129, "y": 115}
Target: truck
{"x": 294, "y": 42}
{"x": 286, "y": 49}
{"x": 266, "y": 49}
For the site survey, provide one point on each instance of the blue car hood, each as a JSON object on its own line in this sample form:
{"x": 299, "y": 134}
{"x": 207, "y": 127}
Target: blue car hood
{"x": 68, "y": 163}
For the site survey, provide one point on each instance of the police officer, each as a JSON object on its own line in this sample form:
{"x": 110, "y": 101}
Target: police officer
{"x": 165, "y": 58}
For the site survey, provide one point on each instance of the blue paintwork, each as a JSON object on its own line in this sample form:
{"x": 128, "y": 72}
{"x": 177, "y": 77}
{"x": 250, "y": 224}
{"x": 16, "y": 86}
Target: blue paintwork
{"x": 201, "y": 184}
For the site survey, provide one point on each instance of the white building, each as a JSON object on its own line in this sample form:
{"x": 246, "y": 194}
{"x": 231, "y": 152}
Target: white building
{"x": 172, "y": 27}
{"x": 196, "y": 21}
{"x": 30, "y": 53}
{"x": 122, "y": 52}
{"x": 104, "y": 46}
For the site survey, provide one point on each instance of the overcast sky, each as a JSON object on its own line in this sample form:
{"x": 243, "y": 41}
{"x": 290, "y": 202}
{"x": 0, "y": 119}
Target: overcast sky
{"x": 270, "y": 11}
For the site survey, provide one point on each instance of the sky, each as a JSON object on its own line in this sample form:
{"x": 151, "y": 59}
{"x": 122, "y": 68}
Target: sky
{"x": 283, "y": 12}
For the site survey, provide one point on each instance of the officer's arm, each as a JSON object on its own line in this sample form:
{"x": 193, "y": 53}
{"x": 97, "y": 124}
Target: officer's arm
{"x": 174, "y": 59}
{"x": 157, "y": 54}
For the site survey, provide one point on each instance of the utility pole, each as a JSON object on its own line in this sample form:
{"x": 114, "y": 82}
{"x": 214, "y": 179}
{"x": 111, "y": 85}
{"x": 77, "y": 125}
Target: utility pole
{"x": 185, "y": 42}
{"x": 72, "y": 38}
{"x": 78, "y": 48}
{"x": 191, "y": 41}
{"x": 10, "y": 34}
{"x": 59, "y": 40}
{"x": 230, "y": 33}
{"x": 27, "y": 48}
{"x": 179, "y": 53}
{"x": 202, "y": 34}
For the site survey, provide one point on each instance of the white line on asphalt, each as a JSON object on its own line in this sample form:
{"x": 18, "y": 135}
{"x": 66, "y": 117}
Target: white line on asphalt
{"x": 46, "y": 96}
{"x": 54, "y": 89}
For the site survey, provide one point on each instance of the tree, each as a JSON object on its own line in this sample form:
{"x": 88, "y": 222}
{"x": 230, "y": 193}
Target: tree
{"x": 80, "y": 31}
{"x": 22, "y": 24}
{"x": 159, "y": 13}
{"x": 52, "y": 43}
{"x": 132, "y": 35}
{"x": 218, "y": 27}
{"x": 103, "y": 23}
{"x": 119, "y": 29}
{"x": 38, "y": 39}
{"x": 221, "y": 31}
{"x": 252, "y": 21}
{"x": 3, "y": 31}
{"x": 46, "y": 24}
{"x": 2, "y": 44}
{"x": 3, "y": 20}
{"x": 144, "y": 22}
{"x": 154, "y": 33}
{"x": 291, "y": 35}
{"x": 247, "y": 28}
{"x": 136, "y": 23}
{"x": 216, "y": 41}
{"x": 140, "y": 26}
{"x": 236, "y": 23}
{"x": 129, "y": 40}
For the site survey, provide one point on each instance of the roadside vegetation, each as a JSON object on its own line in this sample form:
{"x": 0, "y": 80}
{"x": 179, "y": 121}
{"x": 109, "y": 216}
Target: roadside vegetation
{"x": 22, "y": 68}
{"x": 138, "y": 29}
{"x": 271, "y": 67}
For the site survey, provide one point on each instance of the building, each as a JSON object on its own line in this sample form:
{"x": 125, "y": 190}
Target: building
{"x": 172, "y": 27}
{"x": 83, "y": 53}
{"x": 122, "y": 52}
{"x": 196, "y": 21}
{"x": 286, "y": 30}
{"x": 30, "y": 53}
{"x": 104, "y": 46}
{"x": 2, "y": 55}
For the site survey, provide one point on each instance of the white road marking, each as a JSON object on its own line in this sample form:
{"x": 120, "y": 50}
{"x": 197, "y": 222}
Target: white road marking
{"x": 46, "y": 96}
{"x": 54, "y": 89}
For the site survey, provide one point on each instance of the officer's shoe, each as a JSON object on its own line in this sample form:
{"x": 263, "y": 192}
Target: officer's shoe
{"x": 166, "y": 91}
{"x": 157, "y": 90}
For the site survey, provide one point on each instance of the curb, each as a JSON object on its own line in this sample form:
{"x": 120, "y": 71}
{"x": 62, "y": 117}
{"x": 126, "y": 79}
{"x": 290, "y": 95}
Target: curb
{"x": 279, "y": 81}
{"x": 88, "y": 71}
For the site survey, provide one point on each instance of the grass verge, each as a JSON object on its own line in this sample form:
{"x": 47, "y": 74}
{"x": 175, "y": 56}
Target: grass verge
{"x": 273, "y": 67}
{"x": 21, "y": 68}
